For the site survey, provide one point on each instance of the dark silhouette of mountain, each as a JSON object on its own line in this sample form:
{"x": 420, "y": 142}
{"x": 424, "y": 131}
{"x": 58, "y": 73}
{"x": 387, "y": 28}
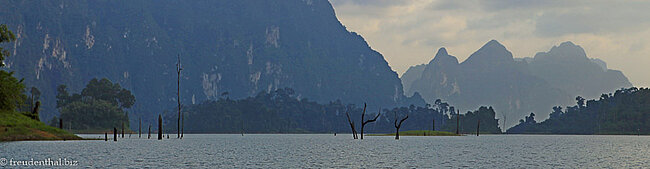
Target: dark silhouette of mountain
{"x": 567, "y": 67}
{"x": 515, "y": 87}
{"x": 412, "y": 74}
{"x": 228, "y": 48}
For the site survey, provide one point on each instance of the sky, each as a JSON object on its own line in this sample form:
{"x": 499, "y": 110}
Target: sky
{"x": 409, "y": 32}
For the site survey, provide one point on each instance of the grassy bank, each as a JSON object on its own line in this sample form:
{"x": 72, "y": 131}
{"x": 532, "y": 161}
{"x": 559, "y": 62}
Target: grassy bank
{"x": 17, "y": 127}
{"x": 418, "y": 133}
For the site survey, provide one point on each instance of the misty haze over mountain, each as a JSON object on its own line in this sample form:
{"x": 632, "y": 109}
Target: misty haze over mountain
{"x": 515, "y": 87}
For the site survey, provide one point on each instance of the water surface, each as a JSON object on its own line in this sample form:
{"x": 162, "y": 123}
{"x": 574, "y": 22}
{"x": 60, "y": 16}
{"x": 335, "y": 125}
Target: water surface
{"x": 328, "y": 151}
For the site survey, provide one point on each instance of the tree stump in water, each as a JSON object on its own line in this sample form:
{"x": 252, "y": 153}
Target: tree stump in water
{"x": 149, "y": 135}
{"x": 159, "y": 127}
{"x": 122, "y": 129}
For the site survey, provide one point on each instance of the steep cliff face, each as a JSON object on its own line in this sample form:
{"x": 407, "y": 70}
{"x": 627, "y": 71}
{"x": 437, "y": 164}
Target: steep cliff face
{"x": 439, "y": 78}
{"x": 234, "y": 47}
{"x": 412, "y": 74}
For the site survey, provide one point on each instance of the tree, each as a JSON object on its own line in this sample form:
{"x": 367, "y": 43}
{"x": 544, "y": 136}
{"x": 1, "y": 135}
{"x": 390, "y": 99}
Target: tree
{"x": 11, "y": 89}
{"x": 178, "y": 93}
{"x": 99, "y": 106}
{"x": 398, "y": 125}
{"x": 36, "y": 94}
{"x": 557, "y": 112}
{"x": 6, "y": 36}
{"x": 354, "y": 131}
{"x": 363, "y": 123}
{"x": 580, "y": 101}
{"x": 530, "y": 118}
{"x": 105, "y": 90}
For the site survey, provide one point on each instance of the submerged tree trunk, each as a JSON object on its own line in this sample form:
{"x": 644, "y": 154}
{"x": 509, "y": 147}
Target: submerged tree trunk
{"x": 178, "y": 94}
{"x": 354, "y": 131}
{"x": 149, "y": 134}
{"x": 398, "y": 125}
{"x": 363, "y": 123}
{"x": 159, "y": 127}
{"x": 122, "y": 129}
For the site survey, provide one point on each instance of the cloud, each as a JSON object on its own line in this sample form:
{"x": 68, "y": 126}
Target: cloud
{"x": 408, "y": 32}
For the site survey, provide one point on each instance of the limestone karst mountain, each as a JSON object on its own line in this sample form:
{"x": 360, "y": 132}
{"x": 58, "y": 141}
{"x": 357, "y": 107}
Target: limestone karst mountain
{"x": 229, "y": 48}
{"x": 515, "y": 87}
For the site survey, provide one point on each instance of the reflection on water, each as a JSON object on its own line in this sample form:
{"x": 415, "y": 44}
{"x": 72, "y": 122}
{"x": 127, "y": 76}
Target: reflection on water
{"x": 324, "y": 151}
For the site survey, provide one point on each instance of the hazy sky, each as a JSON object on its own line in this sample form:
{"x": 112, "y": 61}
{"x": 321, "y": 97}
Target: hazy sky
{"x": 409, "y": 32}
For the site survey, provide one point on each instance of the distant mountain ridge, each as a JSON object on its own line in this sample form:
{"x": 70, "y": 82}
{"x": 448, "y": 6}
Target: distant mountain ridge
{"x": 230, "y": 48}
{"x": 514, "y": 87}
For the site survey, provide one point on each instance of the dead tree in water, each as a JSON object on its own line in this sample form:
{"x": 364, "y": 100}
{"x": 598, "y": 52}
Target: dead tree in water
{"x": 354, "y": 131}
{"x": 122, "y": 129}
{"x": 149, "y": 135}
{"x": 182, "y": 124}
{"x": 159, "y": 127}
{"x": 398, "y": 125}
{"x": 363, "y": 123}
{"x": 178, "y": 94}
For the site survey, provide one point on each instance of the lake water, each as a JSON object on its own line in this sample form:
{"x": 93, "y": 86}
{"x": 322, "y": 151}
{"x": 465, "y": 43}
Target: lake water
{"x": 328, "y": 151}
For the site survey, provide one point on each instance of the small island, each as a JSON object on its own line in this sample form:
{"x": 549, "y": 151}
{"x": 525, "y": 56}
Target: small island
{"x": 419, "y": 133}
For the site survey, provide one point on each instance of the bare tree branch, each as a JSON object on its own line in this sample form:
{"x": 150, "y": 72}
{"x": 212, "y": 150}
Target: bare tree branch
{"x": 354, "y": 131}
{"x": 363, "y": 123}
{"x": 397, "y": 126}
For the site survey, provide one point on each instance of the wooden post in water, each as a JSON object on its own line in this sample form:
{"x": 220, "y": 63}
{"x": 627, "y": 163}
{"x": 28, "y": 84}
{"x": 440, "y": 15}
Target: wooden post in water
{"x": 122, "y": 129}
{"x": 114, "y": 134}
{"x": 105, "y": 136}
{"x": 159, "y": 127}
{"x": 149, "y": 135}
{"x": 178, "y": 93}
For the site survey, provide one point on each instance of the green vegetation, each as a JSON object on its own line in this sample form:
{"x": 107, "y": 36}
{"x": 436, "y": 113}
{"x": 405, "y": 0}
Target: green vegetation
{"x": 624, "y": 112}
{"x": 281, "y": 111}
{"x": 418, "y": 133}
{"x": 100, "y": 106}
{"x": 21, "y": 126}
{"x": 16, "y": 126}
